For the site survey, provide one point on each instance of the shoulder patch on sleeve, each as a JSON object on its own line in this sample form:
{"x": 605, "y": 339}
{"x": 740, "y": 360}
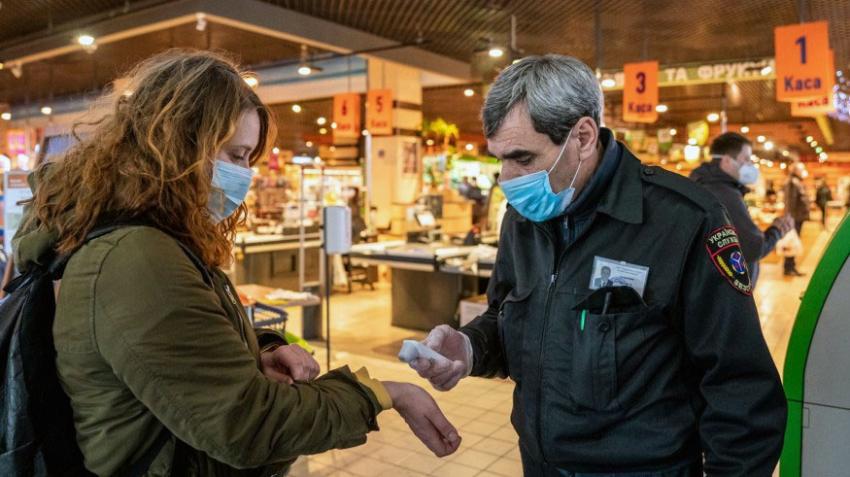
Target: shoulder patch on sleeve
{"x": 724, "y": 249}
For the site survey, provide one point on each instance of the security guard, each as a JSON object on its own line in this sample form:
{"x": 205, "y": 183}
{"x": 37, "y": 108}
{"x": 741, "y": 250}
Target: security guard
{"x": 661, "y": 372}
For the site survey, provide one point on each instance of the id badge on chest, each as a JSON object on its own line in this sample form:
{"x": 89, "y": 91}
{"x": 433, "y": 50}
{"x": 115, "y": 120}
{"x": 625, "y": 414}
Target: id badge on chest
{"x": 614, "y": 273}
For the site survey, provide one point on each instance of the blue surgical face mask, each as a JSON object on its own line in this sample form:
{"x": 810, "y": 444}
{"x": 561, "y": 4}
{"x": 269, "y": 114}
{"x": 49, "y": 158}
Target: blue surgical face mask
{"x": 230, "y": 184}
{"x": 748, "y": 174}
{"x": 532, "y": 195}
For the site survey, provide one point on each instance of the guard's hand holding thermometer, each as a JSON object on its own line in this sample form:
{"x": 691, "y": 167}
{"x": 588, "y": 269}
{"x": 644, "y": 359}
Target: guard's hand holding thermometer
{"x": 444, "y": 358}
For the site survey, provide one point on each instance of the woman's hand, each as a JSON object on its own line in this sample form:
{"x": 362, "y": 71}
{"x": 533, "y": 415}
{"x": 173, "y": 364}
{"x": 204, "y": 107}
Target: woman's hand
{"x": 289, "y": 364}
{"x": 424, "y": 417}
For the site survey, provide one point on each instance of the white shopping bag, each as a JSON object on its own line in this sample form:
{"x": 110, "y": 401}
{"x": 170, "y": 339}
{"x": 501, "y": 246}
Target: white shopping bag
{"x": 789, "y": 245}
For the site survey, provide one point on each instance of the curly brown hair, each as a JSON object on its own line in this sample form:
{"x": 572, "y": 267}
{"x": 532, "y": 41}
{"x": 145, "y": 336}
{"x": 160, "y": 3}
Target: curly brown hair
{"x": 152, "y": 157}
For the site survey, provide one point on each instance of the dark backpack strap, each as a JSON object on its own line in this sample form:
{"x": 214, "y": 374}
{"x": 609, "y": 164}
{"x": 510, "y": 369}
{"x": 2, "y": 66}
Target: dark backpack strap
{"x": 141, "y": 466}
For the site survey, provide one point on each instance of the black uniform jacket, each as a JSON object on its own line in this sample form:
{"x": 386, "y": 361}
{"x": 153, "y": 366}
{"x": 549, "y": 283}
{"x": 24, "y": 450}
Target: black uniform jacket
{"x": 609, "y": 380}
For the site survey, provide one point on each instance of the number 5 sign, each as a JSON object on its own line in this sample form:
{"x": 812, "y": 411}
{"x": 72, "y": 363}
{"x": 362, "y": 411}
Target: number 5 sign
{"x": 379, "y": 112}
{"x": 802, "y": 61}
{"x": 640, "y": 92}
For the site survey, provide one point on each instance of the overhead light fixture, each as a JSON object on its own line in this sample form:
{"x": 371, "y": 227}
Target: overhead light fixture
{"x": 46, "y": 110}
{"x": 823, "y": 157}
{"x": 783, "y": 166}
{"x": 745, "y": 129}
{"x": 322, "y": 121}
{"x": 713, "y": 117}
{"x": 785, "y": 153}
{"x": 296, "y": 108}
{"x": 429, "y": 142}
{"x": 309, "y": 144}
{"x": 496, "y": 52}
{"x": 468, "y": 92}
{"x": 469, "y": 147}
{"x": 818, "y": 149}
{"x": 251, "y": 81}
{"x": 809, "y": 139}
{"x": 609, "y": 83}
{"x": 7, "y": 116}
{"x": 661, "y": 108}
{"x": 761, "y": 139}
{"x": 766, "y": 70}
{"x": 200, "y": 22}
{"x": 323, "y": 131}
{"x": 673, "y": 132}
{"x": 275, "y": 150}
{"x": 305, "y": 68}
{"x": 333, "y": 125}
{"x": 365, "y": 132}
{"x": 814, "y": 143}
{"x": 17, "y": 70}
{"x": 768, "y": 146}
{"x": 87, "y": 42}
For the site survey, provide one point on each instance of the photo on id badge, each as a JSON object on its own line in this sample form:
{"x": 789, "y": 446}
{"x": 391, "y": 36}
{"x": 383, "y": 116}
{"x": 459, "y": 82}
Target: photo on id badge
{"x": 613, "y": 273}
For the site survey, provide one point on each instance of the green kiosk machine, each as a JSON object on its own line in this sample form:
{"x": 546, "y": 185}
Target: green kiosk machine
{"x": 817, "y": 370}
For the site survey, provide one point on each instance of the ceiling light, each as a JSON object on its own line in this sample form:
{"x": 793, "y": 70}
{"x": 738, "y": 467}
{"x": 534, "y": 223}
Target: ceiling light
{"x": 85, "y": 40}
{"x": 814, "y": 143}
{"x": 333, "y": 148}
{"x": 823, "y": 156}
{"x": 309, "y": 144}
{"x": 713, "y": 117}
{"x": 761, "y": 139}
{"x": 609, "y": 83}
{"x": 783, "y": 166}
{"x": 304, "y": 70}
{"x": 809, "y": 139}
{"x": 766, "y": 70}
{"x": 7, "y": 116}
{"x": 323, "y": 131}
{"x": 745, "y": 129}
{"x": 430, "y": 142}
{"x": 673, "y": 132}
{"x": 321, "y": 121}
{"x": 661, "y": 108}
{"x": 469, "y": 147}
{"x": 818, "y": 149}
{"x": 200, "y": 22}
{"x": 275, "y": 150}
{"x": 497, "y": 52}
{"x": 768, "y": 146}
{"x": 365, "y": 132}
{"x": 785, "y": 153}
{"x": 251, "y": 81}
{"x": 296, "y": 108}
{"x": 47, "y": 110}
{"x": 333, "y": 125}
{"x": 468, "y": 92}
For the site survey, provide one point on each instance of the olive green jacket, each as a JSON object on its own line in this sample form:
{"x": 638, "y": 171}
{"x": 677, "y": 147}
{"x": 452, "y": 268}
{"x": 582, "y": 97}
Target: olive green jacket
{"x": 143, "y": 342}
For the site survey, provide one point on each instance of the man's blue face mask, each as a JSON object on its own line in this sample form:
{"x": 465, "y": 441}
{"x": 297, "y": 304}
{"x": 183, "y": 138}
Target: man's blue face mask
{"x": 532, "y": 195}
{"x": 230, "y": 184}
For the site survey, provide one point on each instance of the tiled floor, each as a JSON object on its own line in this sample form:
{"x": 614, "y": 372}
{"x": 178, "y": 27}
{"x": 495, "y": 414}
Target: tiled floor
{"x": 479, "y": 408}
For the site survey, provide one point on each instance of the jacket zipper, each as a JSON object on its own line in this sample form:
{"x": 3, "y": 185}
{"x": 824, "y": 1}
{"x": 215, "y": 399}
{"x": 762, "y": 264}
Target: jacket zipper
{"x": 238, "y": 315}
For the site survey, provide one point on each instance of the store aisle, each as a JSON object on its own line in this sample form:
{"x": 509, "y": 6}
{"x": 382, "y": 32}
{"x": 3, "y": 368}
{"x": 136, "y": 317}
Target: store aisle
{"x": 481, "y": 408}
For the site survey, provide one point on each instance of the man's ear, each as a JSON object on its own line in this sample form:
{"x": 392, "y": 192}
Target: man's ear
{"x": 588, "y": 135}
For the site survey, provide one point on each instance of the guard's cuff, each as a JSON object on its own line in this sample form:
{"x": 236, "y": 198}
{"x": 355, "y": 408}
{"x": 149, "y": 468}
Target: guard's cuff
{"x": 268, "y": 339}
{"x": 376, "y": 387}
{"x": 470, "y": 356}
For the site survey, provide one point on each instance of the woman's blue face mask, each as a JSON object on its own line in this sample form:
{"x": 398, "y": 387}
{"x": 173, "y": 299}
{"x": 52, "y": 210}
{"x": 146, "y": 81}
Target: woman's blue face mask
{"x": 230, "y": 185}
{"x": 532, "y": 195}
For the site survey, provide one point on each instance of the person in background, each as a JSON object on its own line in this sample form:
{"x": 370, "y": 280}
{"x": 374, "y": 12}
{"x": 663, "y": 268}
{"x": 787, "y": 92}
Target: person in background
{"x": 153, "y": 349}
{"x": 797, "y": 206}
{"x": 822, "y": 198}
{"x": 728, "y": 176}
{"x": 667, "y": 375}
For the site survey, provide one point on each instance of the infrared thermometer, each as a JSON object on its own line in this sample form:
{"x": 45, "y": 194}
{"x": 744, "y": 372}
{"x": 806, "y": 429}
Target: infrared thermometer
{"x": 412, "y": 349}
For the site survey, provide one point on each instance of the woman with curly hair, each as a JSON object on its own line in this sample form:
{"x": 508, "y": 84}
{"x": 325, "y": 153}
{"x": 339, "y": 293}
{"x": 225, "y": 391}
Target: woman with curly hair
{"x": 150, "y": 338}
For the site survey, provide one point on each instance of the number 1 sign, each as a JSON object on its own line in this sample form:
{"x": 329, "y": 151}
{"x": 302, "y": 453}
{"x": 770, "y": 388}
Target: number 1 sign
{"x": 802, "y": 61}
{"x": 640, "y": 92}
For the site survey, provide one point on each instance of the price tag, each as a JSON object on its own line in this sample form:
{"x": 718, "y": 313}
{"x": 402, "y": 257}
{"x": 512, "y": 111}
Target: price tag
{"x": 379, "y": 112}
{"x": 640, "y": 92}
{"x": 802, "y": 56}
{"x": 347, "y": 115}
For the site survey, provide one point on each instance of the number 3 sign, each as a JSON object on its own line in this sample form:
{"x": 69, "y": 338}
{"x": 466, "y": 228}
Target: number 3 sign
{"x": 640, "y": 92}
{"x": 802, "y": 61}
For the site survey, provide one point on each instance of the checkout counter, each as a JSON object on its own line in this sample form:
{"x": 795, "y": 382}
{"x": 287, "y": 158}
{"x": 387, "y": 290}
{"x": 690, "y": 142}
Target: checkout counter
{"x": 817, "y": 370}
{"x": 429, "y": 279}
{"x": 273, "y": 259}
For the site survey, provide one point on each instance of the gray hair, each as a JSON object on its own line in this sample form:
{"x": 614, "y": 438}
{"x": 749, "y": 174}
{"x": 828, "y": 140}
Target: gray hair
{"x": 558, "y": 90}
